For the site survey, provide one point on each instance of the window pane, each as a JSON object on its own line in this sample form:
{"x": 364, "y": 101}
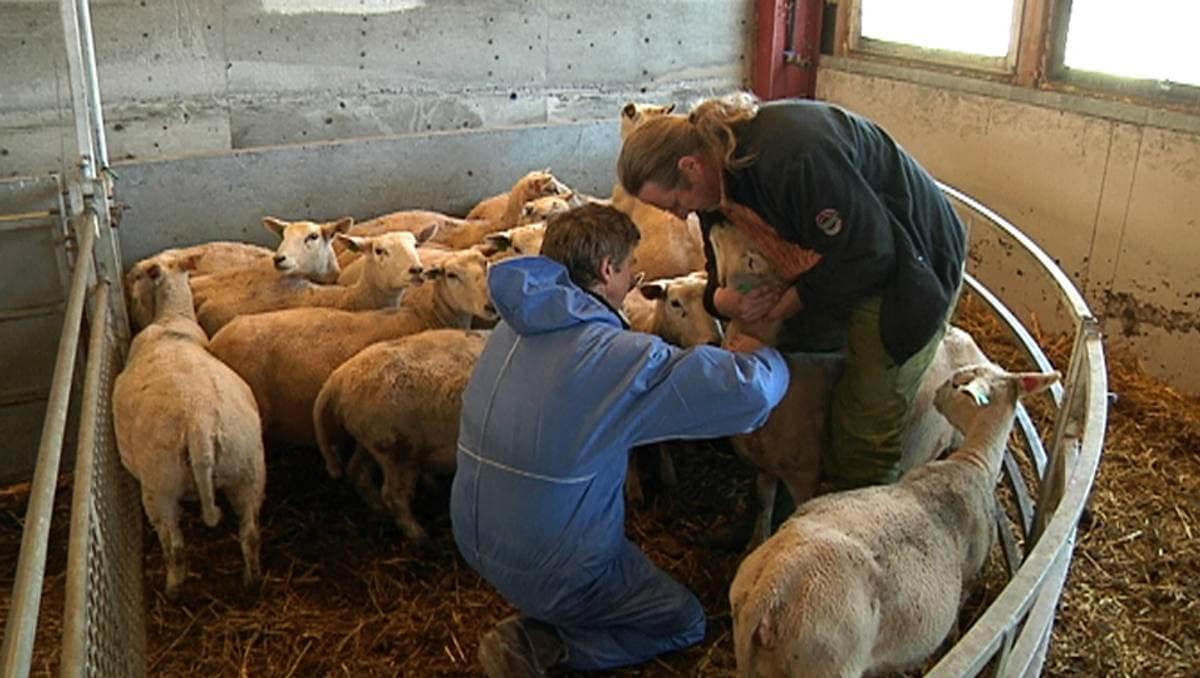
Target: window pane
{"x": 1152, "y": 39}
{"x": 981, "y": 27}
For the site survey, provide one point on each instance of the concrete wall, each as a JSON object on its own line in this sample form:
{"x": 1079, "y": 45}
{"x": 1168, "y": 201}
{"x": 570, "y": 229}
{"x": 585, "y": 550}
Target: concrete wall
{"x": 1112, "y": 192}
{"x": 185, "y": 76}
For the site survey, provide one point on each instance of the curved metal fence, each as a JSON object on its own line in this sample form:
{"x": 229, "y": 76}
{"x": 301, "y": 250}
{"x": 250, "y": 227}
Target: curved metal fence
{"x": 1013, "y": 634}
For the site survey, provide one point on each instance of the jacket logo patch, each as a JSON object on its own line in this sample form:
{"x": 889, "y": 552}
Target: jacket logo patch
{"x": 829, "y": 221}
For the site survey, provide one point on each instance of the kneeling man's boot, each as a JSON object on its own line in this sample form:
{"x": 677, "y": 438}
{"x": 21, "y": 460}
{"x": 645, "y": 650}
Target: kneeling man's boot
{"x": 520, "y": 647}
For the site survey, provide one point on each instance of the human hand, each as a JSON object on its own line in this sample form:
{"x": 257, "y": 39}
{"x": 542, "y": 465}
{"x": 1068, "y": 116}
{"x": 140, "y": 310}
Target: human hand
{"x": 749, "y": 307}
{"x": 743, "y": 343}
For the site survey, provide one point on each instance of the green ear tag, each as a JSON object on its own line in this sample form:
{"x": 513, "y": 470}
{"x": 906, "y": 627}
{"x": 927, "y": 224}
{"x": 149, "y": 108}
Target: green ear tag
{"x": 744, "y": 287}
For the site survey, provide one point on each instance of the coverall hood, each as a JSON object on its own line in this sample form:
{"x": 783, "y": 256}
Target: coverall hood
{"x": 535, "y": 295}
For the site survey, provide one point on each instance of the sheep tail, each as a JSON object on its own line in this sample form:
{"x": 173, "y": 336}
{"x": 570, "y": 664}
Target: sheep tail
{"x": 202, "y": 455}
{"x": 753, "y": 614}
{"x": 331, "y": 434}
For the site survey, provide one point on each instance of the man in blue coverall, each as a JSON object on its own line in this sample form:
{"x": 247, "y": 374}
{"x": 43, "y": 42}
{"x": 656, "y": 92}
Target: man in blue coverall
{"x": 560, "y": 394}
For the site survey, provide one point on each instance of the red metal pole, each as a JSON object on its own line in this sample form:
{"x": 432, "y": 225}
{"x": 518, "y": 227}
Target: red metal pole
{"x": 785, "y": 56}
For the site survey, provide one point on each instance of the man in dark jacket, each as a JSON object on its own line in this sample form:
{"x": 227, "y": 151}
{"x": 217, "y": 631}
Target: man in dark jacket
{"x": 872, "y": 250}
{"x": 560, "y": 394}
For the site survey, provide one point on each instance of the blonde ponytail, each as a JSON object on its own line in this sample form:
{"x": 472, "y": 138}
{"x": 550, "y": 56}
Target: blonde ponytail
{"x": 652, "y": 150}
{"x": 714, "y": 120}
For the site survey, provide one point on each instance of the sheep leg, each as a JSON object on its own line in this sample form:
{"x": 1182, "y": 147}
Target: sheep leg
{"x": 247, "y": 500}
{"x": 360, "y": 472}
{"x": 633, "y": 481}
{"x": 666, "y": 468}
{"x": 164, "y": 516}
{"x": 399, "y": 486}
{"x": 765, "y": 485}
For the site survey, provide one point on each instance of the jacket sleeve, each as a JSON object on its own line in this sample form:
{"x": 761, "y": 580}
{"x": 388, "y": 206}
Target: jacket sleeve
{"x": 831, "y": 209}
{"x": 702, "y": 392}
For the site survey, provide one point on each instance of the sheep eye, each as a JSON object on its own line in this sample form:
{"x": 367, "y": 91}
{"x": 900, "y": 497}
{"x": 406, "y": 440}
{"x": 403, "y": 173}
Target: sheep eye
{"x": 452, "y": 276}
{"x": 311, "y": 237}
{"x": 379, "y": 251}
{"x": 675, "y": 303}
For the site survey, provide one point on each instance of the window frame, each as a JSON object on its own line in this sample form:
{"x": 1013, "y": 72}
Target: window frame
{"x": 1035, "y": 60}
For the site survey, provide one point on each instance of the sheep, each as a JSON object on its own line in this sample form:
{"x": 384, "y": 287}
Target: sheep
{"x": 400, "y": 401}
{"x": 790, "y": 445}
{"x": 187, "y": 425}
{"x": 285, "y": 356}
{"x": 515, "y": 242}
{"x": 495, "y": 208}
{"x": 870, "y": 580}
{"x": 390, "y": 266}
{"x": 674, "y": 310}
{"x": 304, "y": 250}
{"x": 670, "y": 246}
{"x": 461, "y": 233}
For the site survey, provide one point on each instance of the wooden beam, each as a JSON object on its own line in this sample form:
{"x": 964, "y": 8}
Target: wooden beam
{"x": 1033, "y": 46}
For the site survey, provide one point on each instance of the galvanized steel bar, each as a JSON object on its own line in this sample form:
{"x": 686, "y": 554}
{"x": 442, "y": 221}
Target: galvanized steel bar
{"x": 21, "y": 626}
{"x": 75, "y": 603}
{"x": 973, "y": 651}
{"x": 1029, "y": 652}
{"x": 92, "y": 82}
{"x": 80, "y": 99}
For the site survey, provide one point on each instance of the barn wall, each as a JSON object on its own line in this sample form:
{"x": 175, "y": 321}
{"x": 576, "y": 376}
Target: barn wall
{"x": 1109, "y": 190}
{"x": 180, "y": 77}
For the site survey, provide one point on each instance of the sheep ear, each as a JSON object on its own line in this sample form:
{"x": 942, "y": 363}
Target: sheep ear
{"x": 669, "y": 109}
{"x": 653, "y": 290}
{"x": 978, "y": 390}
{"x": 332, "y": 228}
{"x": 189, "y": 263}
{"x": 274, "y": 225}
{"x": 355, "y": 243}
{"x": 629, "y": 110}
{"x": 428, "y": 232}
{"x": 1029, "y": 383}
{"x": 500, "y": 241}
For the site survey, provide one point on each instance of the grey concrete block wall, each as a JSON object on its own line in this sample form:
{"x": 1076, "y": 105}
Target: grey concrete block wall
{"x": 180, "y": 77}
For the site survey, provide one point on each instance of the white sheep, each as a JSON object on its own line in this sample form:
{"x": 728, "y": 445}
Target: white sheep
{"x": 285, "y": 356}
{"x": 462, "y": 233}
{"x": 790, "y": 445}
{"x": 497, "y": 207}
{"x": 187, "y": 425}
{"x": 304, "y": 250}
{"x": 673, "y": 309}
{"x": 870, "y": 581}
{"x": 400, "y": 401}
{"x": 515, "y": 242}
{"x": 670, "y": 246}
{"x": 390, "y": 266}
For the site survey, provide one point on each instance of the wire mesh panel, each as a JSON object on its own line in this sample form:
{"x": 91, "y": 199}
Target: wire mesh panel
{"x": 103, "y": 619}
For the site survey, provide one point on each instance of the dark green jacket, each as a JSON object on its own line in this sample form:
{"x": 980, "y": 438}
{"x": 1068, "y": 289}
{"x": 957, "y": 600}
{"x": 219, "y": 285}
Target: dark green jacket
{"x": 834, "y": 182}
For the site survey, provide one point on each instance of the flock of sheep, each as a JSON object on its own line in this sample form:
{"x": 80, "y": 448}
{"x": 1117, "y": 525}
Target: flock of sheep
{"x": 358, "y": 339}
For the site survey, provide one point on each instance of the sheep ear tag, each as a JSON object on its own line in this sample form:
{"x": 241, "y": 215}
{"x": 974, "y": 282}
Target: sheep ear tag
{"x": 978, "y": 391}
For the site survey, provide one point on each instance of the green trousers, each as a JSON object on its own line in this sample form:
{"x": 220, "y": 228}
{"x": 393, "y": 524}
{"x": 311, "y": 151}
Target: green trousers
{"x": 873, "y": 398}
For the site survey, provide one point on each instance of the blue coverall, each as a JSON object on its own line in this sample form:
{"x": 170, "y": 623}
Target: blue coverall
{"x": 560, "y": 394}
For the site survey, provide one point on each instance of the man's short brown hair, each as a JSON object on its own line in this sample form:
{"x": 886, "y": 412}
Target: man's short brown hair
{"x": 581, "y": 238}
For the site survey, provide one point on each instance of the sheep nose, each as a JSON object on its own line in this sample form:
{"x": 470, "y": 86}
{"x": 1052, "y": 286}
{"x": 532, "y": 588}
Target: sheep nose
{"x": 416, "y": 270}
{"x": 279, "y": 259}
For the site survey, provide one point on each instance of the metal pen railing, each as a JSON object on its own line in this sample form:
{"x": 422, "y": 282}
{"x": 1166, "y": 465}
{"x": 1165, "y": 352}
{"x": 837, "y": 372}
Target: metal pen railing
{"x": 1015, "y": 630}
